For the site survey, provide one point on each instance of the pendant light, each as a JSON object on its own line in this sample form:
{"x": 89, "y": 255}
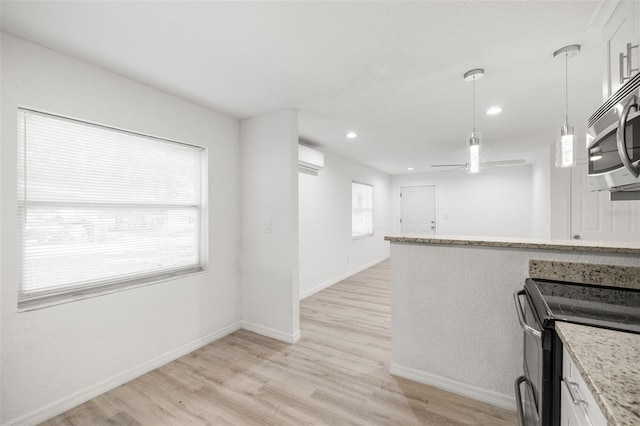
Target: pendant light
{"x": 565, "y": 145}
{"x": 473, "y": 166}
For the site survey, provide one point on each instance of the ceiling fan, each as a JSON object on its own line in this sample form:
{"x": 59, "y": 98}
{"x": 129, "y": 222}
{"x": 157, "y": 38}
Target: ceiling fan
{"x": 484, "y": 163}
{"x": 474, "y": 163}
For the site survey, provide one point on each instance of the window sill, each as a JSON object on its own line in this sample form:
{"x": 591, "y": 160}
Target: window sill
{"x": 361, "y": 237}
{"x": 45, "y": 301}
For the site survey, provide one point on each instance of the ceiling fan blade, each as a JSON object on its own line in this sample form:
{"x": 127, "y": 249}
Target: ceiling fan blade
{"x": 448, "y": 165}
{"x": 504, "y": 162}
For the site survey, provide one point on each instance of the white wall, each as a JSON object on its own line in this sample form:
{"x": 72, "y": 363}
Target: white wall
{"x": 56, "y": 357}
{"x": 541, "y": 193}
{"x": 495, "y": 202}
{"x": 269, "y": 176}
{"x": 328, "y": 254}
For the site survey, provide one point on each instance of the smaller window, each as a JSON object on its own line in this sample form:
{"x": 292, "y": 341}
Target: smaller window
{"x": 361, "y": 210}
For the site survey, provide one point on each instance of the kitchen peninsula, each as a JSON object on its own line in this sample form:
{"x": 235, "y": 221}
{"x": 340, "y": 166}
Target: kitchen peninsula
{"x": 454, "y": 324}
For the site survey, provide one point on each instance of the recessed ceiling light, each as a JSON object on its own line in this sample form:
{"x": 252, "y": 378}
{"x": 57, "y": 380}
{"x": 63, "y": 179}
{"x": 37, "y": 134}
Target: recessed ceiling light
{"x": 409, "y": 168}
{"x": 494, "y": 110}
{"x": 351, "y": 135}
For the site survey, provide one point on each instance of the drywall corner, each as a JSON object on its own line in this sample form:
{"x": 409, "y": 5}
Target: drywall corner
{"x": 269, "y": 222}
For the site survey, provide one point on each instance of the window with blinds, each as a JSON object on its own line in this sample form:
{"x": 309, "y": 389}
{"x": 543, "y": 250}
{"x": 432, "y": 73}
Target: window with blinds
{"x": 361, "y": 210}
{"x": 101, "y": 208}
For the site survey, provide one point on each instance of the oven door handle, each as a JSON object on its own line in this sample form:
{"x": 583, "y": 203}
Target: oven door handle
{"x": 519, "y": 381}
{"x": 527, "y": 328}
{"x": 519, "y": 409}
{"x": 621, "y": 137}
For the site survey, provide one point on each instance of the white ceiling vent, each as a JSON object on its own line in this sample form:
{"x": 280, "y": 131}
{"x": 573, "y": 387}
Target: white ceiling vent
{"x": 309, "y": 160}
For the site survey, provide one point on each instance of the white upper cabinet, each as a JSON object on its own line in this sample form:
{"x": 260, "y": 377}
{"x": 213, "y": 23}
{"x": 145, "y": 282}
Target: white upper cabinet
{"x": 621, "y": 34}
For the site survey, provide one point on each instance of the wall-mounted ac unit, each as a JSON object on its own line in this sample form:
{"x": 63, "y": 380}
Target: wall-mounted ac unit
{"x": 309, "y": 160}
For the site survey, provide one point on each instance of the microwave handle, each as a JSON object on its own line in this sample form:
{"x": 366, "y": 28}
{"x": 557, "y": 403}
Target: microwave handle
{"x": 622, "y": 143}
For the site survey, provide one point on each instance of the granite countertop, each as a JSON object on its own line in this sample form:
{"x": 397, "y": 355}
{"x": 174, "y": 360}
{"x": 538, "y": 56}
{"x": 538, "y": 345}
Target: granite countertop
{"x": 586, "y": 273}
{"x": 609, "y": 362}
{"x": 524, "y": 243}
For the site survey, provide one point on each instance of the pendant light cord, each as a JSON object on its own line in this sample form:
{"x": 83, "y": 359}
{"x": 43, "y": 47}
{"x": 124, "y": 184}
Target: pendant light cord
{"x": 474, "y": 106}
{"x": 566, "y": 89}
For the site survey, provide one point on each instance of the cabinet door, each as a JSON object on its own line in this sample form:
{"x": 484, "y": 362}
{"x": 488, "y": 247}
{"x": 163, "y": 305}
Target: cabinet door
{"x": 578, "y": 406}
{"x": 572, "y": 414}
{"x": 568, "y": 415}
{"x": 620, "y": 30}
{"x": 595, "y": 217}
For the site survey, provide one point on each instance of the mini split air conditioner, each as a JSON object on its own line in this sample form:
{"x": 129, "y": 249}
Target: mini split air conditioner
{"x": 309, "y": 160}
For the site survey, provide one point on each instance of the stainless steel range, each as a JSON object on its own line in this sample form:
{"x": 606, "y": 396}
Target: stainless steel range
{"x": 539, "y": 305}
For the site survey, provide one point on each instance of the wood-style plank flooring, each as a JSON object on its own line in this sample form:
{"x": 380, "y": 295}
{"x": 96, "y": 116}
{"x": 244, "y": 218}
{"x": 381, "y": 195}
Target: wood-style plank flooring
{"x": 337, "y": 374}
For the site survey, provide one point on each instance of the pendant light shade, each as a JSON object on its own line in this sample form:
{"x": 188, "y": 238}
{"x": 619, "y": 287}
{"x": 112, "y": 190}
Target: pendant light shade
{"x": 474, "y": 153}
{"x": 565, "y": 144}
{"x": 565, "y": 156}
{"x": 473, "y": 165}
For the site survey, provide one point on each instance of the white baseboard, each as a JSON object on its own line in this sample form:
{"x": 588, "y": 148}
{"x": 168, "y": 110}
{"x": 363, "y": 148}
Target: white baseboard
{"x": 271, "y": 332}
{"x": 339, "y": 278}
{"x": 323, "y": 285}
{"x": 296, "y": 337}
{"x": 60, "y": 406}
{"x": 454, "y": 386}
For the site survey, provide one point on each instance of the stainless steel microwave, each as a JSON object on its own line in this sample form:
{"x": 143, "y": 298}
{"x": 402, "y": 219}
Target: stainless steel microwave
{"x": 613, "y": 141}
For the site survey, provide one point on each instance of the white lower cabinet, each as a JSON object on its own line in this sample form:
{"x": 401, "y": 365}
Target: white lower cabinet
{"x": 578, "y": 406}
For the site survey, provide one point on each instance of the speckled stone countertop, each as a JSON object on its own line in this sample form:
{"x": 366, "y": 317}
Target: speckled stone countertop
{"x": 525, "y": 243}
{"x": 586, "y": 273}
{"x": 609, "y": 362}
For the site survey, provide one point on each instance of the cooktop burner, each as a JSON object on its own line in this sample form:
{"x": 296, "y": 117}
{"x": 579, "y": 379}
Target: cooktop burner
{"x": 615, "y": 308}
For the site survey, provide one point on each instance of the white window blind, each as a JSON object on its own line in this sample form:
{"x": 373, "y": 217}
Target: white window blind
{"x": 101, "y": 208}
{"x": 361, "y": 209}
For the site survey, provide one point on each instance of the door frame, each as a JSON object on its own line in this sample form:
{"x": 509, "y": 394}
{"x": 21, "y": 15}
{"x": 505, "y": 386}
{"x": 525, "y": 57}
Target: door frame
{"x": 435, "y": 203}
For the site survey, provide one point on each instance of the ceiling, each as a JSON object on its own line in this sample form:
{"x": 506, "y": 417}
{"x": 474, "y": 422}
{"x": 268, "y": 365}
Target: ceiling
{"x": 390, "y": 71}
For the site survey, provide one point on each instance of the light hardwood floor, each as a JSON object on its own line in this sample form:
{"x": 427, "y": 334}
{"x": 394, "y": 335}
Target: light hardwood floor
{"x": 337, "y": 374}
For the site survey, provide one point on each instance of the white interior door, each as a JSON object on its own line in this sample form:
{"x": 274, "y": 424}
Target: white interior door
{"x": 595, "y": 217}
{"x": 418, "y": 210}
